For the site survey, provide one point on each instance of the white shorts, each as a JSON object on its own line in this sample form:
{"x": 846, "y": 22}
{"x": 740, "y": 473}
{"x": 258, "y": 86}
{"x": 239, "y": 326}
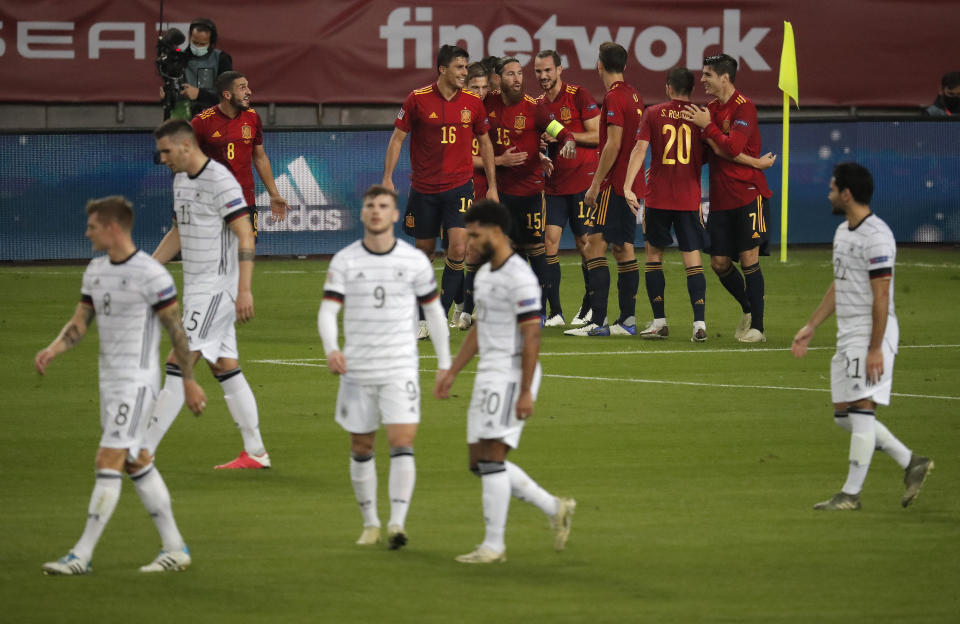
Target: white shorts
{"x": 208, "y": 321}
{"x": 492, "y": 414}
{"x": 125, "y": 411}
{"x": 362, "y": 407}
{"x": 848, "y": 380}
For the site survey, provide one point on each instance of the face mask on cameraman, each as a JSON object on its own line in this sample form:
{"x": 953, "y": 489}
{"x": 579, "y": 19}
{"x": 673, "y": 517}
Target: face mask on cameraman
{"x": 199, "y": 51}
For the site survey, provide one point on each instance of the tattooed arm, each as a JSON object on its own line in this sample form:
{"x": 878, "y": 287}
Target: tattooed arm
{"x": 170, "y": 317}
{"x": 70, "y": 335}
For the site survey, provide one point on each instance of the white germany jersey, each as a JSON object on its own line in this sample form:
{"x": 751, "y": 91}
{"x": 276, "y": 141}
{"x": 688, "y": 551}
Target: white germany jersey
{"x": 504, "y": 298}
{"x": 204, "y": 206}
{"x": 865, "y": 252}
{"x": 380, "y": 294}
{"x": 126, "y": 296}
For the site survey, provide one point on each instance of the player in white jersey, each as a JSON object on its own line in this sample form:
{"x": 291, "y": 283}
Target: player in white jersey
{"x": 212, "y": 231}
{"x": 861, "y": 371}
{"x": 506, "y": 334}
{"x": 379, "y": 282}
{"x": 130, "y": 294}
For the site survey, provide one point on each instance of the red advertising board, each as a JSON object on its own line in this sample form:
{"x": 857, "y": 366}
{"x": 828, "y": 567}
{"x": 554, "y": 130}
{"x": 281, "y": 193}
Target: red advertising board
{"x": 852, "y": 53}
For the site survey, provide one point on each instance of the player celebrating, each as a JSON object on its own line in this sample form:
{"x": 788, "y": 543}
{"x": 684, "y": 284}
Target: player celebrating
{"x": 574, "y": 107}
{"x": 738, "y": 193}
{"x": 217, "y": 244}
{"x": 614, "y": 222}
{"x": 379, "y": 281}
{"x": 130, "y": 294}
{"x": 672, "y": 200}
{"x": 861, "y": 371}
{"x": 517, "y": 121}
{"x": 443, "y": 120}
{"x": 507, "y": 338}
{"x": 231, "y": 133}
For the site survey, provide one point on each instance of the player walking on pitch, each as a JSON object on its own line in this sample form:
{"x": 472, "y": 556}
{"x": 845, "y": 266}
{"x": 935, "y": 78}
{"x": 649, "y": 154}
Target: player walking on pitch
{"x": 212, "y": 230}
{"x": 131, "y": 295}
{"x": 506, "y": 335}
{"x": 861, "y": 371}
{"x": 379, "y": 281}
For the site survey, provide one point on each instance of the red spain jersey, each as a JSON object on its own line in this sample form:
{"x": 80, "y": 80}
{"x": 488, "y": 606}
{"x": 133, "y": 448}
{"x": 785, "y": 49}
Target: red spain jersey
{"x": 622, "y": 106}
{"x": 480, "y": 186}
{"x": 441, "y": 137}
{"x": 734, "y": 128}
{"x": 518, "y": 125}
{"x": 676, "y": 156}
{"x": 230, "y": 142}
{"x": 573, "y": 106}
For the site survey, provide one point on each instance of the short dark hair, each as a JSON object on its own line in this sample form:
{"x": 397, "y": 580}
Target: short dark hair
{"x": 489, "y": 212}
{"x": 174, "y": 127}
{"x": 225, "y": 81}
{"x": 950, "y": 80}
{"x": 447, "y": 53}
{"x": 850, "y": 175}
{"x": 506, "y": 61}
{"x": 112, "y": 209}
{"x": 613, "y": 56}
{"x": 376, "y": 190}
{"x": 722, "y": 64}
{"x": 680, "y": 80}
{"x": 550, "y": 54}
{"x": 491, "y": 62}
{"x": 476, "y": 70}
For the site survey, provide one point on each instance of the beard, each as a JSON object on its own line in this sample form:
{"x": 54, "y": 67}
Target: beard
{"x": 837, "y": 209}
{"x": 485, "y": 252}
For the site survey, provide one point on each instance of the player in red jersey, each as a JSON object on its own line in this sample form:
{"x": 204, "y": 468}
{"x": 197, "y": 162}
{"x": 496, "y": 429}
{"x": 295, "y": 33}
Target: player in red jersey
{"x": 614, "y": 222}
{"x": 517, "y": 121}
{"x": 739, "y": 195}
{"x": 575, "y": 108}
{"x": 442, "y": 120}
{"x": 673, "y": 199}
{"x": 231, "y": 133}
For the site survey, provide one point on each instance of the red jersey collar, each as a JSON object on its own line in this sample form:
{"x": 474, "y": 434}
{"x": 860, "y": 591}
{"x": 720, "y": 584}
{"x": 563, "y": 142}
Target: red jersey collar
{"x": 436, "y": 89}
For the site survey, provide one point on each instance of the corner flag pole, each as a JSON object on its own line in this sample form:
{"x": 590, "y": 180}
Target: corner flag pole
{"x": 787, "y": 84}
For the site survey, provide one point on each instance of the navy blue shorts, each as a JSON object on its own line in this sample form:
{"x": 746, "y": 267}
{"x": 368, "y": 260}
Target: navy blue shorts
{"x": 687, "y": 224}
{"x": 528, "y": 213}
{"x": 569, "y": 208}
{"x": 734, "y": 231}
{"x": 614, "y": 219}
{"x": 429, "y": 213}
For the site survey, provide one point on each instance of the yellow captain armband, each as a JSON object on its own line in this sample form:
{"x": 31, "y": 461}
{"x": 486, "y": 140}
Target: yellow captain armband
{"x": 554, "y": 128}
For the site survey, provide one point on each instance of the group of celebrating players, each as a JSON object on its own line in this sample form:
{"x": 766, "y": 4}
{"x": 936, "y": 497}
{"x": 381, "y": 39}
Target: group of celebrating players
{"x": 498, "y": 174}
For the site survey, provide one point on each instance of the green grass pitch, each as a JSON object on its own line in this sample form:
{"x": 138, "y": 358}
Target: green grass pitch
{"x": 695, "y": 467}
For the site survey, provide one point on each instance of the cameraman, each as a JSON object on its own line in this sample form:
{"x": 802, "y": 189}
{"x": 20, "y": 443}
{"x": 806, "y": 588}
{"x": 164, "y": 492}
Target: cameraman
{"x": 204, "y": 62}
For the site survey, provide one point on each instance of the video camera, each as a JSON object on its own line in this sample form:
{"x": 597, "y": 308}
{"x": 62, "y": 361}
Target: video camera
{"x": 171, "y": 63}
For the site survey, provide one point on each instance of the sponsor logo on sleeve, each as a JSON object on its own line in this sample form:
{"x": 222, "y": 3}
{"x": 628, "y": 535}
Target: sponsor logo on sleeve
{"x": 740, "y": 122}
{"x": 235, "y": 202}
{"x": 529, "y": 302}
{"x": 401, "y": 114}
{"x": 166, "y": 292}
{"x": 879, "y": 259}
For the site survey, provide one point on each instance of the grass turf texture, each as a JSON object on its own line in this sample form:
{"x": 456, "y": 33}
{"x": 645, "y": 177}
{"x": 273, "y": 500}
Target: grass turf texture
{"x": 694, "y": 500}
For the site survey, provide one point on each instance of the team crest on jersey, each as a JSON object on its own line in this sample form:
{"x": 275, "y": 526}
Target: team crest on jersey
{"x": 408, "y": 221}
{"x": 726, "y": 126}
{"x": 565, "y": 114}
{"x": 519, "y": 122}
{"x": 465, "y": 116}
{"x": 399, "y": 273}
{"x": 246, "y": 132}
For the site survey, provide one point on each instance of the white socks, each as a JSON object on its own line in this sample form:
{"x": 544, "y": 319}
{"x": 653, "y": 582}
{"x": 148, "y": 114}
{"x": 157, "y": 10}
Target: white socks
{"x": 526, "y": 489}
{"x": 863, "y": 439}
{"x": 106, "y": 493}
{"x": 363, "y": 475}
{"x": 156, "y": 500}
{"x": 169, "y": 403}
{"x": 496, "y": 503}
{"x": 886, "y": 441}
{"x": 403, "y": 476}
{"x": 243, "y": 408}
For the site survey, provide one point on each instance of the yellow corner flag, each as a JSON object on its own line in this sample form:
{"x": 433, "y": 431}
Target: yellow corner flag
{"x": 787, "y": 84}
